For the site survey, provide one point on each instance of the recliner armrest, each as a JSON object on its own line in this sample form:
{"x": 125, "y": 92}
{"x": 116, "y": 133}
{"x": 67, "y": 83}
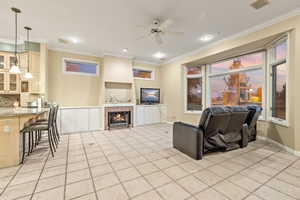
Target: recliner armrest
{"x": 245, "y": 136}
{"x": 188, "y": 139}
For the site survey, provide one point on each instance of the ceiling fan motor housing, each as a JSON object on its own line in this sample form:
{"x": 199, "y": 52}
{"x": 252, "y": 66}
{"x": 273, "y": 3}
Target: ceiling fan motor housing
{"x": 260, "y": 3}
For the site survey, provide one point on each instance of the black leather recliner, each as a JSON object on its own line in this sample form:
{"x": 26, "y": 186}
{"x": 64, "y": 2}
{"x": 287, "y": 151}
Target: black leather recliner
{"x": 220, "y": 129}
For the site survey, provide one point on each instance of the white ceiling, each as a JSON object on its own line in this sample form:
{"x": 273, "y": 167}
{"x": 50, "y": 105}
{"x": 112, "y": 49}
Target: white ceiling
{"x": 108, "y": 26}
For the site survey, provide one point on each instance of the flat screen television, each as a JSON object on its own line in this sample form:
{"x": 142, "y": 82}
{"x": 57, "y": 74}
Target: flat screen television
{"x": 150, "y": 95}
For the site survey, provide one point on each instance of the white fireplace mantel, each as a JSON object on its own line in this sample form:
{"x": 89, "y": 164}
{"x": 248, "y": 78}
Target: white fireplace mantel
{"x": 118, "y": 105}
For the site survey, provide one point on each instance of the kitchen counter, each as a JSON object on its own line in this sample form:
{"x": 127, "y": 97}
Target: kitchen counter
{"x": 13, "y": 112}
{"x": 12, "y": 120}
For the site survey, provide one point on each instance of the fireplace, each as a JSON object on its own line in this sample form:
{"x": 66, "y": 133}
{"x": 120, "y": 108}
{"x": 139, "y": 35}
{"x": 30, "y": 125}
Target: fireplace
{"x": 118, "y": 116}
{"x": 119, "y": 119}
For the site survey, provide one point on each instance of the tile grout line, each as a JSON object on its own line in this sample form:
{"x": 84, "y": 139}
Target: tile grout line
{"x": 12, "y": 178}
{"x": 238, "y": 172}
{"x": 203, "y": 168}
{"x": 274, "y": 177}
{"x": 154, "y": 188}
{"x": 135, "y": 147}
{"x": 120, "y": 182}
{"x": 40, "y": 175}
{"x": 66, "y": 168}
{"x": 90, "y": 171}
{"x": 134, "y": 166}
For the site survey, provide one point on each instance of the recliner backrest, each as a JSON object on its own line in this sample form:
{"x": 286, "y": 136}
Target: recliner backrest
{"x": 214, "y": 120}
{"x": 253, "y": 115}
{"x": 237, "y": 119}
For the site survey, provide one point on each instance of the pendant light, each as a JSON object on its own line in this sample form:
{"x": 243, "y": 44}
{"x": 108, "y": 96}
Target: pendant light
{"x": 15, "y": 68}
{"x": 28, "y": 75}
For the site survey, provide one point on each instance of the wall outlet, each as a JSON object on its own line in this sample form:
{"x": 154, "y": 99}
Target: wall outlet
{"x": 6, "y": 129}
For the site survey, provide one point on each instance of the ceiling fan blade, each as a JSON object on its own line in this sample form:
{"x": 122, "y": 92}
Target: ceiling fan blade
{"x": 174, "y": 33}
{"x": 166, "y": 24}
{"x": 144, "y": 36}
{"x": 158, "y": 38}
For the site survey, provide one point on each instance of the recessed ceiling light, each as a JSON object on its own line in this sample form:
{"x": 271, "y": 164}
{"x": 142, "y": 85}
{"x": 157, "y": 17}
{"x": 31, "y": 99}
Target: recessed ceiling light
{"x": 74, "y": 40}
{"x": 159, "y": 55}
{"x": 206, "y": 37}
{"x": 125, "y": 50}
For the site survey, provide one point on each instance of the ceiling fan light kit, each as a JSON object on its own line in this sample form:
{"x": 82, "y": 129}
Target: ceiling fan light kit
{"x": 158, "y": 28}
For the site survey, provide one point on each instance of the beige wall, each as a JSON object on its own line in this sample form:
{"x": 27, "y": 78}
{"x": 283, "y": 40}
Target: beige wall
{"x": 117, "y": 69}
{"x": 71, "y": 90}
{"x": 147, "y": 83}
{"x": 172, "y": 81}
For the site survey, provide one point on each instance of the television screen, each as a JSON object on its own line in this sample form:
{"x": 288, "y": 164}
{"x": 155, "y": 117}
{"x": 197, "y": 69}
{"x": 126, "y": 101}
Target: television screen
{"x": 150, "y": 95}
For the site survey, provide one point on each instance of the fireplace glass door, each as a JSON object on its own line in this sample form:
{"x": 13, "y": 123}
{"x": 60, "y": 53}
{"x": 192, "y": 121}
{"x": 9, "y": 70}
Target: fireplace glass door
{"x": 119, "y": 119}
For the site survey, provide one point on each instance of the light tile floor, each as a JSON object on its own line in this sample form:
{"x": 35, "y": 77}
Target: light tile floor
{"x": 140, "y": 164}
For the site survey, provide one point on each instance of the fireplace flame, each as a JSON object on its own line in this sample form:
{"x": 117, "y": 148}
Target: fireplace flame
{"x": 118, "y": 117}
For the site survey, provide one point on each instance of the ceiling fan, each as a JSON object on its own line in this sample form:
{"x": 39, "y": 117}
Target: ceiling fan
{"x": 157, "y": 29}
{"x": 258, "y": 4}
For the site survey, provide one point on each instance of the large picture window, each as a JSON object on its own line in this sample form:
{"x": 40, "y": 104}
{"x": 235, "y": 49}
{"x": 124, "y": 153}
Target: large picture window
{"x": 237, "y": 81}
{"x": 278, "y": 68}
{"x": 257, "y": 78}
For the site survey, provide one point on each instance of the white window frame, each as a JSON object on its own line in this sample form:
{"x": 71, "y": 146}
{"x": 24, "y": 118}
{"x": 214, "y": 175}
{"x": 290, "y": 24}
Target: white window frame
{"x": 144, "y": 69}
{"x": 79, "y": 73}
{"x": 273, "y": 62}
{"x": 185, "y": 78}
{"x": 246, "y": 69}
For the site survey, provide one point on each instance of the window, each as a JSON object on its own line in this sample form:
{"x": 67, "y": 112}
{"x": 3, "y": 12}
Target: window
{"x": 143, "y": 74}
{"x": 193, "y": 89}
{"x": 80, "y": 67}
{"x": 242, "y": 80}
{"x": 279, "y": 73}
{"x": 237, "y": 81}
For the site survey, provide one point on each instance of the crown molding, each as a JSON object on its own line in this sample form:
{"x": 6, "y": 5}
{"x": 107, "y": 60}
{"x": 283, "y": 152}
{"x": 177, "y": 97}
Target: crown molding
{"x": 132, "y": 58}
{"x": 75, "y": 52}
{"x": 276, "y": 20}
{"x": 147, "y": 62}
{"x": 102, "y": 55}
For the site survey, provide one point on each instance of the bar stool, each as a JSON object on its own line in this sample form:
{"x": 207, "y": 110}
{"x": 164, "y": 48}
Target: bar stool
{"x": 56, "y": 135}
{"x": 36, "y": 128}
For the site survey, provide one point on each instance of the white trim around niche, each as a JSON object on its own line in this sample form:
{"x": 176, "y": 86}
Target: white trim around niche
{"x": 79, "y": 60}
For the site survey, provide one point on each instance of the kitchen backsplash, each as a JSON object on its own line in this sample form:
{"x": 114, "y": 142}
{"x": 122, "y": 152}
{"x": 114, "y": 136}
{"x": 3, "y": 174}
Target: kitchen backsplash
{"x": 8, "y": 100}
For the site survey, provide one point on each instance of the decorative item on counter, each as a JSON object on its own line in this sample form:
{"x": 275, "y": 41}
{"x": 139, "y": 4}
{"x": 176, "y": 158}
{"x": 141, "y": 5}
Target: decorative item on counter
{"x": 16, "y": 104}
{"x": 39, "y": 102}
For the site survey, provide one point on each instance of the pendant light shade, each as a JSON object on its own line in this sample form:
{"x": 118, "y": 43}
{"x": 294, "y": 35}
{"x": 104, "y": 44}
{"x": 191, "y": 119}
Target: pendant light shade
{"x": 28, "y": 75}
{"x": 15, "y": 68}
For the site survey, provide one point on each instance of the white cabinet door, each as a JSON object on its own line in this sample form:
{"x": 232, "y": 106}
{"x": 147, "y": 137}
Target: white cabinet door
{"x": 148, "y": 115}
{"x": 163, "y": 113}
{"x": 155, "y": 114}
{"x": 82, "y": 120}
{"x": 67, "y": 120}
{"x": 139, "y": 115}
{"x": 95, "y": 119}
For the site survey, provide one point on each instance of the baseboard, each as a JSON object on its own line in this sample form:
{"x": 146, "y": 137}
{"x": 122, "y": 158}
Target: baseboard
{"x": 286, "y": 148}
{"x": 169, "y": 122}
